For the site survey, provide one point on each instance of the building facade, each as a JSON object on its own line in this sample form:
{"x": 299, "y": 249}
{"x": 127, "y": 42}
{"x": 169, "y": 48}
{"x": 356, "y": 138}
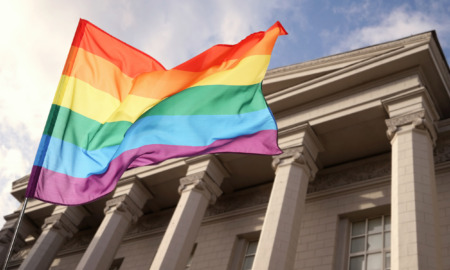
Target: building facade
{"x": 363, "y": 183}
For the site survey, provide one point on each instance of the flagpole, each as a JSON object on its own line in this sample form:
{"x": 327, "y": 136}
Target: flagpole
{"x": 15, "y": 233}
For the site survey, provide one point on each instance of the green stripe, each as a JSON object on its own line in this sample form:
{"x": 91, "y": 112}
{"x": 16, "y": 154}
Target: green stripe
{"x": 212, "y": 100}
{"x": 84, "y": 132}
{"x": 89, "y": 134}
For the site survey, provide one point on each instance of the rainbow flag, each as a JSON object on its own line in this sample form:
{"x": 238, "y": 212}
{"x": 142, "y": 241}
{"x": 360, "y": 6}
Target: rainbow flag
{"x": 117, "y": 108}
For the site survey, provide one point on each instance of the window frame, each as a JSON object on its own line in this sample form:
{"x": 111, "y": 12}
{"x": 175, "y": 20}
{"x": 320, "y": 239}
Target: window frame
{"x": 343, "y": 233}
{"x": 116, "y": 264}
{"x": 191, "y": 256}
{"x": 248, "y": 255}
{"x": 240, "y": 248}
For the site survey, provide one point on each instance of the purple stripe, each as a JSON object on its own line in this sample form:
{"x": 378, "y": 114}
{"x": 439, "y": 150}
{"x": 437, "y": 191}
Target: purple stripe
{"x": 59, "y": 188}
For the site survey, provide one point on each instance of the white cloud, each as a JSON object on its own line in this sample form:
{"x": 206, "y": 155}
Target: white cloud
{"x": 201, "y": 24}
{"x": 359, "y": 8}
{"x": 12, "y": 166}
{"x": 400, "y": 22}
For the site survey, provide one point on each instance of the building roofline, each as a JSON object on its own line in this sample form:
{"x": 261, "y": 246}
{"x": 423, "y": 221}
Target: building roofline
{"x": 359, "y": 53}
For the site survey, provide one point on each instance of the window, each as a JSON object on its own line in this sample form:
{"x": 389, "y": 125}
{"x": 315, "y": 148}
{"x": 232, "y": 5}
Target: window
{"x": 188, "y": 265}
{"x": 116, "y": 264}
{"x": 244, "y": 251}
{"x": 370, "y": 244}
{"x": 249, "y": 255}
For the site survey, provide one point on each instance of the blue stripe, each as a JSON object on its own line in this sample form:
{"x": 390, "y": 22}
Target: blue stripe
{"x": 192, "y": 130}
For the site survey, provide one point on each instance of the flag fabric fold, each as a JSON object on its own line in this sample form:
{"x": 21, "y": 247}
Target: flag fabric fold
{"x": 117, "y": 108}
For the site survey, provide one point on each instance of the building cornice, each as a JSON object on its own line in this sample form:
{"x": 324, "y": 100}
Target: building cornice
{"x": 362, "y": 53}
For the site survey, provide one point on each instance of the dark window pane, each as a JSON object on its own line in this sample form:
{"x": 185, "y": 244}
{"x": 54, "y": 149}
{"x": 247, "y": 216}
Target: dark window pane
{"x": 357, "y": 263}
{"x": 357, "y": 244}
{"x": 375, "y": 261}
{"x": 374, "y": 242}
{"x": 358, "y": 228}
{"x": 374, "y": 225}
{"x": 248, "y": 263}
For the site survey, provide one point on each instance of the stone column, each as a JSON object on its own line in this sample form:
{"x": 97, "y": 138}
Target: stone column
{"x": 7, "y": 232}
{"x": 293, "y": 170}
{"x": 415, "y": 236}
{"x": 57, "y": 228}
{"x": 123, "y": 209}
{"x": 198, "y": 189}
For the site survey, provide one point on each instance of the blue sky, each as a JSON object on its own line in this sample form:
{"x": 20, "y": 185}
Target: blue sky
{"x": 36, "y": 36}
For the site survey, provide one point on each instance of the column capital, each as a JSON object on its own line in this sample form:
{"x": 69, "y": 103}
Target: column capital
{"x": 200, "y": 182}
{"x": 26, "y": 227}
{"x": 65, "y": 220}
{"x": 409, "y": 111}
{"x": 60, "y": 223}
{"x": 296, "y": 156}
{"x": 209, "y": 164}
{"x": 6, "y": 236}
{"x": 300, "y": 135}
{"x": 300, "y": 146}
{"x": 124, "y": 205}
{"x": 414, "y": 120}
{"x": 205, "y": 175}
{"x": 135, "y": 190}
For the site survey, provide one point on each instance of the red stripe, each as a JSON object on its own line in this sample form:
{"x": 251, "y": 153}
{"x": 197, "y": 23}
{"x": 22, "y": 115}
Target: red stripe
{"x": 130, "y": 60}
{"x": 260, "y": 43}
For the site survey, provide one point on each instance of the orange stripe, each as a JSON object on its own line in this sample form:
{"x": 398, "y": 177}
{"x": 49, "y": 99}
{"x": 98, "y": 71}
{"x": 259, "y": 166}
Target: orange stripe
{"x": 105, "y": 76}
{"x": 99, "y": 73}
{"x": 248, "y": 71}
{"x": 166, "y": 83}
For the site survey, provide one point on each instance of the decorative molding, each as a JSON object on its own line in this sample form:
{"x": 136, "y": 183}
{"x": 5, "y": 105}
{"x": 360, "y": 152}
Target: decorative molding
{"x": 357, "y": 173}
{"x": 123, "y": 204}
{"x": 240, "y": 200}
{"x": 411, "y": 110}
{"x": 6, "y": 236}
{"x": 61, "y": 223}
{"x": 442, "y": 149}
{"x": 207, "y": 163}
{"x": 349, "y": 188}
{"x": 417, "y": 120}
{"x": 288, "y": 157}
{"x": 298, "y": 156}
{"x": 151, "y": 222}
{"x": 21, "y": 254}
{"x": 202, "y": 183}
{"x": 80, "y": 241}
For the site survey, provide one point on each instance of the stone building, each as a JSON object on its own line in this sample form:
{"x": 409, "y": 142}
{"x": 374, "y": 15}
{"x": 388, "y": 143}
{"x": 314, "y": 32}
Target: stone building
{"x": 363, "y": 183}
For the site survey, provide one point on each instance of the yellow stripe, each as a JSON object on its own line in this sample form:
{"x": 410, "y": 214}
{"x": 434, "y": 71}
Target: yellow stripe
{"x": 98, "y": 105}
{"x": 101, "y": 74}
{"x": 248, "y": 71}
{"x": 133, "y": 107}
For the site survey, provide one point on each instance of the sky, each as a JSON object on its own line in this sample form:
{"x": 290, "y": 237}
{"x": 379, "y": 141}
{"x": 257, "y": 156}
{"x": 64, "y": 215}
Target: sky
{"x": 36, "y": 37}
